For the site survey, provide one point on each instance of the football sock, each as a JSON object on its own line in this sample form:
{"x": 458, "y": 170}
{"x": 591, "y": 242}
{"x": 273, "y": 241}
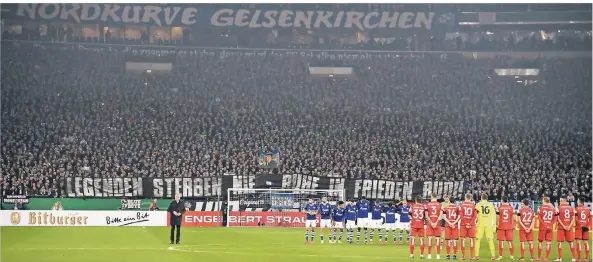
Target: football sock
{"x": 548, "y": 249}
{"x": 531, "y": 249}
{"x": 438, "y": 246}
{"x": 421, "y": 246}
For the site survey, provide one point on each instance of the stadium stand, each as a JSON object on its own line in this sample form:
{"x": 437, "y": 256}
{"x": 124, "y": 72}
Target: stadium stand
{"x": 443, "y": 116}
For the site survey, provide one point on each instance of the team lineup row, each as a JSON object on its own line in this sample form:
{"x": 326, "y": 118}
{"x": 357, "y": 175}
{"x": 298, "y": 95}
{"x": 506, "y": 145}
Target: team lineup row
{"x": 467, "y": 221}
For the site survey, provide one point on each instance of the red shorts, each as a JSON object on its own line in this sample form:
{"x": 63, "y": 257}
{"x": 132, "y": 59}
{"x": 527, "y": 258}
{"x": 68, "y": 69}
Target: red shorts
{"x": 580, "y": 235}
{"x": 433, "y": 232}
{"x": 564, "y": 235}
{"x": 467, "y": 232}
{"x": 451, "y": 233}
{"x": 524, "y": 236}
{"x": 504, "y": 235}
{"x": 544, "y": 235}
{"x": 417, "y": 232}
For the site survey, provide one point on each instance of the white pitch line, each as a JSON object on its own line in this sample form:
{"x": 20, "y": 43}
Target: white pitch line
{"x": 86, "y": 248}
{"x": 273, "y": 254}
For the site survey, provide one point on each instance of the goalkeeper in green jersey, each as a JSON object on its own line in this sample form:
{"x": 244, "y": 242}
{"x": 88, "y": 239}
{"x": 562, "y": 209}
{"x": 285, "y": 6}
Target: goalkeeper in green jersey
{"x": 486, "y": 224}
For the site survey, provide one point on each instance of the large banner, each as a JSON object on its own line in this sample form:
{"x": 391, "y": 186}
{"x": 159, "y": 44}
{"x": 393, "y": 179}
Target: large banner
{"x": 210, "y": 16}
{"x": 217, "y": 52}
{"x": 142, "y": 51}
{"x": 45, "y": 218}
{"x": 216, "y": 187}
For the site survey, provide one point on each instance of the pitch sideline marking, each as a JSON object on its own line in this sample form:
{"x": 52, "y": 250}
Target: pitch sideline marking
{"x": 272, "y": 254}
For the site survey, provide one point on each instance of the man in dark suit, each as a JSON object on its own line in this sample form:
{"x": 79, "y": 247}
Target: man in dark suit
{"x": 176, "y": 210}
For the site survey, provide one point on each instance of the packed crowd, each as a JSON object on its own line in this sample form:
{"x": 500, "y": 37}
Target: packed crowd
{"x": 472, "y": 41}
{"x": 79, "y": 113}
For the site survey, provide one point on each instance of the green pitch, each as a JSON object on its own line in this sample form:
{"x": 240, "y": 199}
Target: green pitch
{"x": 150, "y": 244}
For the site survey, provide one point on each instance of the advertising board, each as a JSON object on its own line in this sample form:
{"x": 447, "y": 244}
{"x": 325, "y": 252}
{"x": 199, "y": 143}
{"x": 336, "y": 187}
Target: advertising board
{"x": 74, "y": 218}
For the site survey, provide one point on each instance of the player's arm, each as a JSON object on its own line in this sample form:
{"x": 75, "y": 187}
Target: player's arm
{"x": 532, "y": 224}
{"x": 521, "y": 222}
{"x": 475, "y": 215}
{"x": 445, "y": 217}
{"x": 331, "y": 216}
{"x": 572, "y": 219}
{"x": 496, "y": 217}
{"x": 458, "y": 217}
{"x": 493, "y": 220}
{"x": 556, "y": 215}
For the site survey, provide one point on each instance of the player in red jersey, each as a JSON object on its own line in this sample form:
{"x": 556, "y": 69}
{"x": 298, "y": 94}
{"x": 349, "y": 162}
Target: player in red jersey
{"x": 451, "y": 214}
{"x": 434, "y": 214}
{"x": 467, "y": 226}
{"x": 546, "y": 215}
{"x": 583, "y": 217}
{"x": 564, "y": 232}
{"x": 526, "y": 224}
{"x": 417, "y": 212}
{"x": 505, "y": 226}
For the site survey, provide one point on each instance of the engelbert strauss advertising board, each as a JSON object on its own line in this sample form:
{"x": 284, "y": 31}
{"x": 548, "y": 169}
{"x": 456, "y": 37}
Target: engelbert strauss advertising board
{"x": 216, "y": 16}
{"x": 73, "y": 218}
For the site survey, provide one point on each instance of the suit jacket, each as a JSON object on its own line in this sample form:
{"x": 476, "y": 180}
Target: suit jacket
{"x": 179, "y": 207}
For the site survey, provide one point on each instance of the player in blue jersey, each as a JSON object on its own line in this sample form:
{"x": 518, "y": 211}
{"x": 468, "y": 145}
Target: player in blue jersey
{"x": 390, "y": 220}
{"x": 338, "y": 216}
{"x": 350, "y": 210}
{"x": 325, "y": 212}
{"x": 404, "y": 220}
{"x": 362, "y": 211}
{"x": 376, "y": 220}
{"x": 310, "y": 222}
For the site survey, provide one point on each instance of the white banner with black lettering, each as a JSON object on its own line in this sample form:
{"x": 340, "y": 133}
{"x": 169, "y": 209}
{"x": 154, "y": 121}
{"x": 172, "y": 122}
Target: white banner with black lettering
{"x": 75, "y": 218}
{"x": 216, "y": 187}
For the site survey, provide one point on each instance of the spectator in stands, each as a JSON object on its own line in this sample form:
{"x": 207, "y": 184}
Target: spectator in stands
{"x": 71, "y": 113}
{"x": 57, "y": 206}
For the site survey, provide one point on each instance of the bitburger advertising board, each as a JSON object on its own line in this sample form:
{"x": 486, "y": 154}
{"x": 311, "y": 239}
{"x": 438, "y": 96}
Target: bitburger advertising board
{"x": 44, "y": 218}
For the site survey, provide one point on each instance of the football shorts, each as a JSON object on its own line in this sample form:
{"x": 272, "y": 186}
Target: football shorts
{"x": 376, "y": 223}
{"x": 350, "y": 224}
{"x": 544, "y": 235}
{"x": 310, "y": 223}
{"x": 467, "y": 232}
{"x": 579, "y": 234}
{"x": 564, "y": 235}
{"x": 433, "y": 232}
{"x": 389, "y": 226}
{"x": 325, "y": 223}
{"x": 419, "y": 232}
{"x": 504, "y": 235}
{"x": 402, "y": 225}
{"x": 363, "y": 222}
{"x": 525, "y": 236}
{"x": 338, "y": 224}
{"x": 451, "y": 233}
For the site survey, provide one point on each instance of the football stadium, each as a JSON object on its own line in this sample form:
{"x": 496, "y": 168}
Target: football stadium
{"x": 295, "y": 132}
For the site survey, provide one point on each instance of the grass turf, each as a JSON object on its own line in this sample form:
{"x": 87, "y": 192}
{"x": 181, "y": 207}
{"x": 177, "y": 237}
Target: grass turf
{"x": 129, "y": 244}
